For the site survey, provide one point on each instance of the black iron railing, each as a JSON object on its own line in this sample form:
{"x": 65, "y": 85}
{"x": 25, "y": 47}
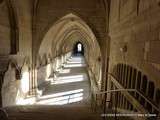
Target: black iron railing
{"x": 127, "y": 93}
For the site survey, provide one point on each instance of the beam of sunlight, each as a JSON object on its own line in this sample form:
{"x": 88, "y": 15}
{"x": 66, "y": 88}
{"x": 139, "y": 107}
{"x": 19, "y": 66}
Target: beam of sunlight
{"x": 69, "y": 101}
{"x": 61, "y": 100}
{"x": 74, "y": 60}
{"x": 71, "y": 77}
{"x": 75, "y": 100}
{"x": 25, "y": 82}
{"x": 48, "y": 71}
{"x": 71, "y": 80}
{"x": 61, "y": 94}
{"x": 28, "y": 101}
{"x": 65, "y": 71}
{"x": 75, "y": 65}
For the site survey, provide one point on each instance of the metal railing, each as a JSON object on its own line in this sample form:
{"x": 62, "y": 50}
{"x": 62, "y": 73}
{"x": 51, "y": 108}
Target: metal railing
{"x": 114, "y": 80}
{"x": 126, "y": 94}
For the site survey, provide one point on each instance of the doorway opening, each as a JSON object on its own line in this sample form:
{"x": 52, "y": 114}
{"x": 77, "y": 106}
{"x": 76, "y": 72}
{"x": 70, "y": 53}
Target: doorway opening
{"x": 78, "y": 49}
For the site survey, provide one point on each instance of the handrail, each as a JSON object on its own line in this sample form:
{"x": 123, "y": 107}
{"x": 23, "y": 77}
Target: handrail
{"x": 155, "y": 107}
{"x": 129, "y": 90}
{"x": 134, "y": 90}
{"x": 115, "y": 90}
{"x": 126, "y": 90}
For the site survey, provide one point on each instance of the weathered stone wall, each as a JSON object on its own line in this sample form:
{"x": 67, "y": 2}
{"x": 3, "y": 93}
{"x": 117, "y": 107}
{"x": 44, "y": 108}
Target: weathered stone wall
{"x": 15, "y": 90}
{"x": 4, "y": 30}
{"x": 9, "y": 88}
{"x": 22, "y": 11}
{"x": 136, "y": 25}
{"x": 16, "y": 27}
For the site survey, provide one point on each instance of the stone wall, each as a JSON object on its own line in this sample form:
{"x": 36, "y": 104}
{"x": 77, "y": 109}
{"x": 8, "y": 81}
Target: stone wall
{"x": 15, "y": 45}
{"x": 134, "y": 29}
{"x": 9, "y": 88}
{"x": 16, "y": 84}
{"x": 4, "y": 30}
{"x": 23, "y": 10}
{"x": 135, "y": 26}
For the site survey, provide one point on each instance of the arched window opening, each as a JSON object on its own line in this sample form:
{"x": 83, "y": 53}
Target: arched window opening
{"x": 78, "y": 49}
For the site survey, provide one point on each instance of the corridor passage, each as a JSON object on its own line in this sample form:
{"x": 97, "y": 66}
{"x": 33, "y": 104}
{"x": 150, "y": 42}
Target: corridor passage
{"x": 80, "y": 59}
{"x": 69, "y": 85}
{"x": 66, "y": 97}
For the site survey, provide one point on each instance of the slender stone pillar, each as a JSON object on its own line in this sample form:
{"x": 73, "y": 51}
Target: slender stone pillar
{"x": 33, "y": 83}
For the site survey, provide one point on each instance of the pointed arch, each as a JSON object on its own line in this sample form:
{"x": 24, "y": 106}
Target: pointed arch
{"x": 62, "y": 36}
{"x": 62, "y": 29}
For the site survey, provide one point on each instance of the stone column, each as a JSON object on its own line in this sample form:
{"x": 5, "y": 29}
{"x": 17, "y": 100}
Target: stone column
{"x": 33, "y": 82}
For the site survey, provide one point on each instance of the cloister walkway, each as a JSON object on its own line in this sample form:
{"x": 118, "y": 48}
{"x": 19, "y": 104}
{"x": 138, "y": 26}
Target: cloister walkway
{"x": 70, "y": 86}
{"x": 66, "y": 97}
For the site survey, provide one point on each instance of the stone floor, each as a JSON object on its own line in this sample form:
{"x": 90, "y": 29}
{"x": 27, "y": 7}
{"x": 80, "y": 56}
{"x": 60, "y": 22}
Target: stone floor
{"x": 66, "y": 97}
{"x": 70, "y": 86}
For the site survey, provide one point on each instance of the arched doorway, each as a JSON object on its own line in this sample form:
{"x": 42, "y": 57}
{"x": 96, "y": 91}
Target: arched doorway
{"x": 78, "y": 49}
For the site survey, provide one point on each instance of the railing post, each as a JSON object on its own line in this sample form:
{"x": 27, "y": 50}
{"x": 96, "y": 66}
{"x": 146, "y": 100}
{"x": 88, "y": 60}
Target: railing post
{"x": 104, "y": 103}
{"x": 116, "y": 103}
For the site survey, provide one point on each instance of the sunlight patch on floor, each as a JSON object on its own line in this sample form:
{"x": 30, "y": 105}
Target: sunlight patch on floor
{"x": 27, "y": 101}
{"x": 65, "y": 71}
{"x": 75, "y": 65}
{"x": 65, "y": 81}
{"x": 70, "y": 77}
{"x": 62, "y": 98}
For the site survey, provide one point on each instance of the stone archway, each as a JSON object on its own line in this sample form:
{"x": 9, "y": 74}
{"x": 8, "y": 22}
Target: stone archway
{"x": 65, "y": 33}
